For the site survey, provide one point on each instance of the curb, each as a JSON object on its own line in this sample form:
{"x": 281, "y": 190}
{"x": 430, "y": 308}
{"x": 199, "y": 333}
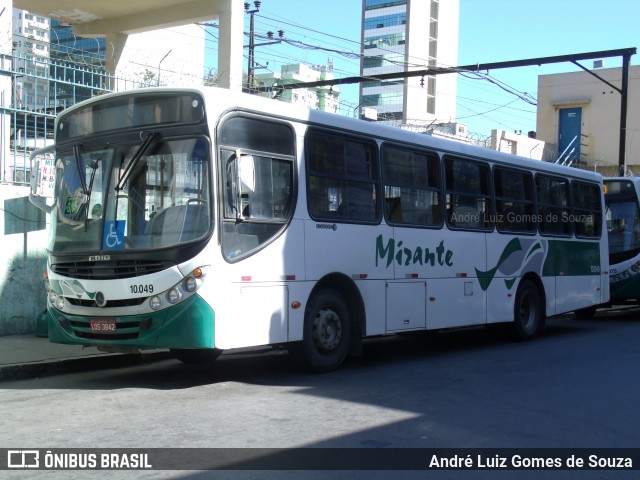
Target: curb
{"x": 25, "y": 371}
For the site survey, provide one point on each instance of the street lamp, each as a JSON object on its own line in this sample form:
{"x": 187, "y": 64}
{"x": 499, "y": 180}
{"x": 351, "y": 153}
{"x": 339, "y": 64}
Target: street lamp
{"x": 160, "y": 63}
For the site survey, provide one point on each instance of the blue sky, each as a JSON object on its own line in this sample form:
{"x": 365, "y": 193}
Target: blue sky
{"x": 490, "y": 31}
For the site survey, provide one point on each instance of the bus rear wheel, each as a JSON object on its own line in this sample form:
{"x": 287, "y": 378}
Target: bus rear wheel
{"x": 327, "y": 333}
{"x": 196, "y": 355}
{"x": 528, "y": 321}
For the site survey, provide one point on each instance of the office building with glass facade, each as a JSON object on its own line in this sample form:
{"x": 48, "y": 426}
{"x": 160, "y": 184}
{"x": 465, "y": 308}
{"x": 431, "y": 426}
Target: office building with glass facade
{"x": 395, "y": 38}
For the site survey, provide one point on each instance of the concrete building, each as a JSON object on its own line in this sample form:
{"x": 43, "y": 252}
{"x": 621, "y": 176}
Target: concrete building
{"x": 73, "y": 57}
{"x": 405, "y": 35}
{"x": 517, "y": 144}
{"x": 318, "y": 98}
{"x": 579, "y": 118}
{"x": 30, "y": 51}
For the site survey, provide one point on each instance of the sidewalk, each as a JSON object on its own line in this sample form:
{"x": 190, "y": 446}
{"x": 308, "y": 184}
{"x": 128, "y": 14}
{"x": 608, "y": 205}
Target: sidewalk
{"x": 29, "y": 356}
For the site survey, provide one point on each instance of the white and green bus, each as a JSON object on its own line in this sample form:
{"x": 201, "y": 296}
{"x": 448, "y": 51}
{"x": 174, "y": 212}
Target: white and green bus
{"x": 201, "y": 220}
{"x": 623, "y": 229}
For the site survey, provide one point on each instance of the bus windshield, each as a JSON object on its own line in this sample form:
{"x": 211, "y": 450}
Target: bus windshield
{"x": 145, "y": 195}
{"x": 623, "y": 226}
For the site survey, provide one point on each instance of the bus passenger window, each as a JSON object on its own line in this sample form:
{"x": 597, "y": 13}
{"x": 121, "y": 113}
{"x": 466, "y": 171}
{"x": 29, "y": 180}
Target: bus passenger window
{"x": 553, "y": 205}
{"x": 514, "y": 200}
{"x": 468, "y": 200}
{"x": 586, "y": 210}
{"x": 342, "y": 179}
{"x": 411, "y": 186}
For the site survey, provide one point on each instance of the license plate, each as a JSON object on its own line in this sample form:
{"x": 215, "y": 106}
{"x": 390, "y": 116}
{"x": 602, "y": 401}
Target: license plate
{"x": 103, "y": 326}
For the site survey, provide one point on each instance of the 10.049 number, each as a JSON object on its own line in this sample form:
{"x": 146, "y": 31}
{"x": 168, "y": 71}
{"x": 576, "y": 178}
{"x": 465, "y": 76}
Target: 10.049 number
{"x": 142, "y": 288}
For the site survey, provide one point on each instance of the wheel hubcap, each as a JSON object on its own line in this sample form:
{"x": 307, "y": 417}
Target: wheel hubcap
{"x": 327, "y": 330}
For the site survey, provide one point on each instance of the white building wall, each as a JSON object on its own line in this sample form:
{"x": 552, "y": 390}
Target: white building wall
{"x": 515, "y": 144}
{"x": 417, "y": 53}
{"x": 314, "y": 98}
{"x": 446, "y": 85}
{"x": 143, "y": 58}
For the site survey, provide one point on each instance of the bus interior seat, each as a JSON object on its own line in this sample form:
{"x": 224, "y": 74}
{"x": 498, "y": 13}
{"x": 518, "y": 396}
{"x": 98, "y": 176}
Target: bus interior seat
{"x": 394, "y": 209}
{"x": 435, "y": 214}
{"x": 195, "y": 222}
{"x": 166, "y": 226}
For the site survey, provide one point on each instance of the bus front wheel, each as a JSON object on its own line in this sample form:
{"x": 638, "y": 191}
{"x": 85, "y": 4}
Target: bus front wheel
{"x": 196, "y": 355}
{"x": 327, "y": 333}
{"x": 528, "y": 319}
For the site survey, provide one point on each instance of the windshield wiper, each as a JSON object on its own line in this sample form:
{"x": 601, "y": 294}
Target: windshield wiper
{"x": 86, "y": 191}
{"x": 151, "y": 137}
{"x": 94, "y": 167}
{"x": 77, "y": 156}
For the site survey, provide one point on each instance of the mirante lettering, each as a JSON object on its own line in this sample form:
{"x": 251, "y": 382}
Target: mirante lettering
{"x": 406, "y": 255}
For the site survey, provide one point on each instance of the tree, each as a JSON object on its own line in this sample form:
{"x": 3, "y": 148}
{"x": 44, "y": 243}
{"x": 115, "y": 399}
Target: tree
{"x": 211, "y": 78}
{"x": 149, "y": 78}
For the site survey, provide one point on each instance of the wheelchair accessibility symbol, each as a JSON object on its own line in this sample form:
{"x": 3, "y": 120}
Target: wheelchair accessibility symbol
{"x": 113, "y": 235}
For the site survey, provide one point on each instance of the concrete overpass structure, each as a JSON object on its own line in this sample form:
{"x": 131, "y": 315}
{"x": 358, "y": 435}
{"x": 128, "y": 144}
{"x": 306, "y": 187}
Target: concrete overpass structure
{"x": 116, "y": 19}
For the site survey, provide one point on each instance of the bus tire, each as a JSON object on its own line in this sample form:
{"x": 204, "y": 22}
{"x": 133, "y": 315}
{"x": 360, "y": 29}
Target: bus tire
{"x": 196, "y": 356}
{"x": 327, "y": 333}
{"x": 528, "y": 318}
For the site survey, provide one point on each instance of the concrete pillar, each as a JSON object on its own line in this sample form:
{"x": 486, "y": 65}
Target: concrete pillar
{"x": 115, "y": 46}
{"x": 230, "y": 41}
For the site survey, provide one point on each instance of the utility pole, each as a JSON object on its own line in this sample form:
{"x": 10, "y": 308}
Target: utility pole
{"x": 251, "y": 65}
{"x": 624, "y": 91}
{"x": 251, "y": 68}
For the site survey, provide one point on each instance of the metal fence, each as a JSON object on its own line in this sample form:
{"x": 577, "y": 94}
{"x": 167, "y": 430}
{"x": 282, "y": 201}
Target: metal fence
{"x": 32, "y": 92}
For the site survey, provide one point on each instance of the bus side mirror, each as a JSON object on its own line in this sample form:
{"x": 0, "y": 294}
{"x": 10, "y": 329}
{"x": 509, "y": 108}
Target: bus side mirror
{"x": 246, "y": 184}
{"x": 35, "y": 175}
{"x": 247, "y": 173}
{"x": 36, "y": 190}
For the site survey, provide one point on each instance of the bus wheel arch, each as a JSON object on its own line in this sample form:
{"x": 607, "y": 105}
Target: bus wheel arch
{"x": 529, "y": 309}
{"x": 333, "y": 325}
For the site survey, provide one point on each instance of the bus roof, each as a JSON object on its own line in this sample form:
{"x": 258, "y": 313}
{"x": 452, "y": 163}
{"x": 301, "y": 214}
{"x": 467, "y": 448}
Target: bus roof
{"x": 218, "y": 100}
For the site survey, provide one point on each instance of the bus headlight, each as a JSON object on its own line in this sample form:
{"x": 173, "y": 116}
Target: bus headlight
{"x": 154, "y": 302}
{"x": 173, "y": 295}
{"x": 52, "y": 297}
{"x": 179, "y": 292}
{"x": 60, "y": 302}
{"x": 190, "y": 284}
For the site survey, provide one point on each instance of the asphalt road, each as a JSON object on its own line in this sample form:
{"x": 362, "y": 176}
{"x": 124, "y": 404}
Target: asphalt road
{"x": 575, "y": 387}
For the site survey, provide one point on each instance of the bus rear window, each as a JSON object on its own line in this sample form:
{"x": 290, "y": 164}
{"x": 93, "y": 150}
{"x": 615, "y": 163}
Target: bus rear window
{"x": 587, "y": 217}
